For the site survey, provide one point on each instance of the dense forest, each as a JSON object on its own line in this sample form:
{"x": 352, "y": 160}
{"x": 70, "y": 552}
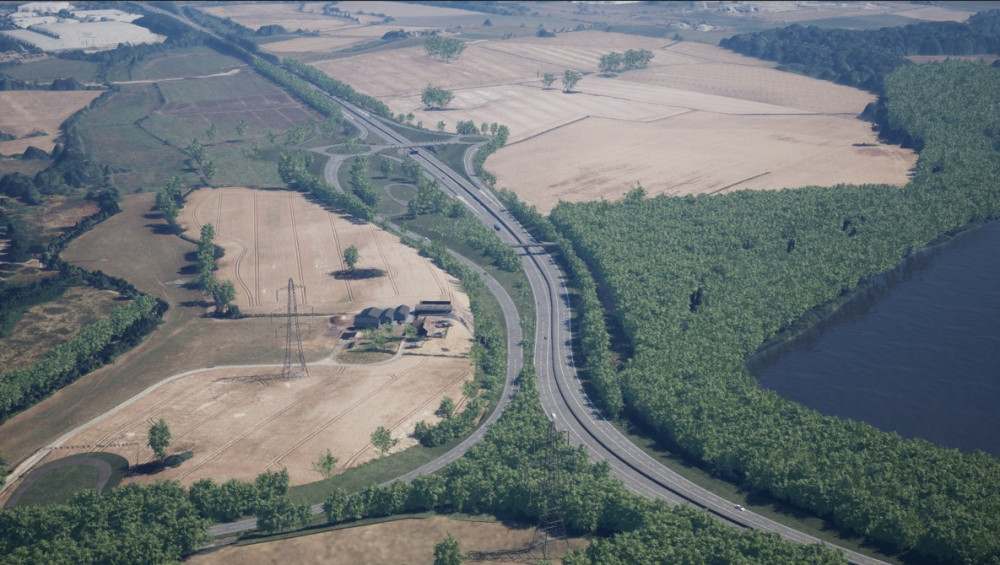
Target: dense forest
{"x": 862, "y": 58}
{"x": 730, "y": 271}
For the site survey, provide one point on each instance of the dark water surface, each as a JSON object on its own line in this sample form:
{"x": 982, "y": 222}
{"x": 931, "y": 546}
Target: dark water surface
{"x": 918, "y": 354}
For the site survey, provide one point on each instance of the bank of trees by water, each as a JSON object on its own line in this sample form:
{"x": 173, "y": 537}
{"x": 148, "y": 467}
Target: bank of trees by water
{"x": 699, "y": 283}
{"x": 861, "y": 58}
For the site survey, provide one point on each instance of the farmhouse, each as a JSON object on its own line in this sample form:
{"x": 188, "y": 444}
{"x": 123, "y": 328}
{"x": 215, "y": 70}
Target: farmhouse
{"x": 373, "y": 316}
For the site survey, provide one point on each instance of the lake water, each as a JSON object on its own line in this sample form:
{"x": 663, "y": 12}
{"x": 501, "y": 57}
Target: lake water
{"x": 918, "y": 354}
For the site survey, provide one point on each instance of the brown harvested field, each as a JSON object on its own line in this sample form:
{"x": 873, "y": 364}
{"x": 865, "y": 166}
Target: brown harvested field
{"x": 27, "y": 111}
{"x": 791, "y": 12}
{"x": 45, "y": 325}
{"x": 271, "y": 236}
{"x": 408, "y": 541}
{"x": 700, "y": 119}
{"x": 239, "y": 424}
{"x": 396, "y": 394}
{"x": 254, "y": 15}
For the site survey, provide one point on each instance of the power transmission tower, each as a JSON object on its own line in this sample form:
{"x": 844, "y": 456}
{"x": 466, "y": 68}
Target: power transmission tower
{"x": 287, "y": 372}
{"x": 551, "y": 530}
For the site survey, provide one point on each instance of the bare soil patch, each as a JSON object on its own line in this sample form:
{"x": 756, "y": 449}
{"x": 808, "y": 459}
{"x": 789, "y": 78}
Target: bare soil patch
{"x": 271, "y": 236}
{"x": 45, "y": 325}
{"x": 240, "y": 422}
{"x": 399, "y": 541}
{"x": 28, "y": 111}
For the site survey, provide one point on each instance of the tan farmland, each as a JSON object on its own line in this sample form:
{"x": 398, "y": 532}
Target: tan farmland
{"x": 28, "y": 111}
{"x": 239, "y": 425}
{"x": 271, "y": 236}
{"x": 700, "y": 119}
{"x": 402, "y": 542}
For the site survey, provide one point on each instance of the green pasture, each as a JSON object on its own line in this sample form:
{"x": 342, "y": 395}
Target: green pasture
{"x": 50, "y": 69}
{"x": 113, "y": 133}
{"x": 59, "y": 485}
{"x": 189, "y": 62}
{"x": 244, "y": 84}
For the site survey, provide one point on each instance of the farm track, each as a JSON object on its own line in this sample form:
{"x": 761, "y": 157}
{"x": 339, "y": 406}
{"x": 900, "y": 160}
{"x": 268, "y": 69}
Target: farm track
{"x": 256, "y": 427}
{"x": 388, "y": 269}
{"x": 298, "y": 251}
{"x": 239, "y": 278}
{"x": 340, "y": 255}
{"x": 256, "y": 252}
{"x": 218, "y": 215}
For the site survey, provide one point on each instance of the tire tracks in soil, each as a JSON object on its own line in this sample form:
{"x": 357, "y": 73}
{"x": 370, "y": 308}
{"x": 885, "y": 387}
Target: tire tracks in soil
{"x": 392, "y": 378}
{"x": 353, "y": 459}
{"x": 388, "y": 269}
{"x": 256, "y": 251}
{"x": 147, "y": 415}
{"x": 295, "y": 243}
{"x": 340, "y": 254}
{"x": 218, "y": 452}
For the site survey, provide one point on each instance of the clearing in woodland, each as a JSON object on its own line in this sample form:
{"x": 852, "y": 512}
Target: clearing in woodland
{"x": 400, "y": 541}
{"x": 698, "y": 120}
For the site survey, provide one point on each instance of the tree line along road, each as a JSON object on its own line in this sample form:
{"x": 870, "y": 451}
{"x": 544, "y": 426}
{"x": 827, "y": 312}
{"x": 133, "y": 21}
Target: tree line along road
{"x": 561, "y": 391}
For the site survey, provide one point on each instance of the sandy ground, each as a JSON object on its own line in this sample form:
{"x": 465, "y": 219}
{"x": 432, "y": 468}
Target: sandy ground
{"x": 699, "y": 120}
{"x": 271, "y": 236}
{"x": 401, "y": 541}
{"x": 26, "y": 111}
{"x": 241, "y": 421}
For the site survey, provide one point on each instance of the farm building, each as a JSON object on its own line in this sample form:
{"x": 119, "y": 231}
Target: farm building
{"x": 373, "y": 316}
{"x": 433, "y": 307}
{"x": 401, "y": 314}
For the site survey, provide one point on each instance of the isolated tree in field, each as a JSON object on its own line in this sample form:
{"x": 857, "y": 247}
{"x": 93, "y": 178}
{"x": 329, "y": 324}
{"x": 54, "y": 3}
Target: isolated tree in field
{"x": 548, "y": 79}
{"x": 159, "y": 438}
{"x": 382, "y": 440}
{"x": 569, "y": 80}
{"x": 212, "y": 132}
{"x": 435, "y": 97}
{"x": 441, "y": 125}
{"x": 325, "y": 464}
{"x": 242, "y": 128}
{"x": 351, "y": 257}
{"x": 447, "y": 48}
{"x": 447, "y": 552}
